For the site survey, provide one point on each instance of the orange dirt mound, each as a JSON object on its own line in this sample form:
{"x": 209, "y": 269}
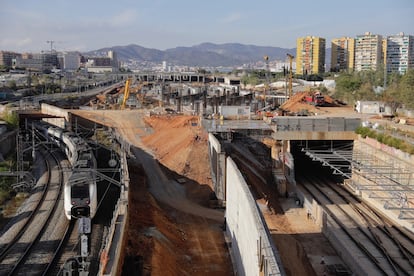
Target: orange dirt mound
{"x": 176, "y": 141}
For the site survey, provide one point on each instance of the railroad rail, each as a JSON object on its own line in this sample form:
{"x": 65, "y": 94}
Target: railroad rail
{"x": 386, "y": 249}
{"x": 29, "y": 248}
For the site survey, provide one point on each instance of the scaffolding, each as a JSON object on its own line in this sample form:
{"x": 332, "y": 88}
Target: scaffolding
{"x": 385, "y": 179}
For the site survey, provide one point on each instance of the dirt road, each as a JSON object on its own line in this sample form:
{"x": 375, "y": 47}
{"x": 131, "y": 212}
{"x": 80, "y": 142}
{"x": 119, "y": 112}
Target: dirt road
{"x": 173, "y": 234}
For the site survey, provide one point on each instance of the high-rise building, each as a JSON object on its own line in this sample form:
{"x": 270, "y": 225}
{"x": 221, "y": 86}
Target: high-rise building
{"x": 399, "y": 55}
{"x": 71, "y": 60}
{"x": 343, "y": 54}
{"x": 310, "y": 55}
{"x": 368, "y": 52}
{"x": 114, "y": 59}
{"x": 6, "y": 58}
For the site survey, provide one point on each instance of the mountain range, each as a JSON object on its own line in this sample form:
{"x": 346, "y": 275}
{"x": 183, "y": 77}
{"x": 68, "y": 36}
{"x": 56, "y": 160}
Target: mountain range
{"x": 202, "y": 55}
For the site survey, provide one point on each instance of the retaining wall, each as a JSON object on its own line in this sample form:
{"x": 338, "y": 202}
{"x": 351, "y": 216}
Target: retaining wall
{"x": 61, "y": 122}
{"x": 217, "y": 159}
{"x": 251, "y": 244}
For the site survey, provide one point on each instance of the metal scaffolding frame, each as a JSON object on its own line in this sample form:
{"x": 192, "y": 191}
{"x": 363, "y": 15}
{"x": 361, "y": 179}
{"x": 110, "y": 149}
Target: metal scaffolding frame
{"x": 386, "y": 180}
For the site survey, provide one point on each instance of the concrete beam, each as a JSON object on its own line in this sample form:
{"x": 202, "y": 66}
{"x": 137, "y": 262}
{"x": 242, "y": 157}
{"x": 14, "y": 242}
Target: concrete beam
{"x": 314, "y": 135}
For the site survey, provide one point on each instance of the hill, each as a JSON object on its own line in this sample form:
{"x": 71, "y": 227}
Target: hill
{"x": 205, "y": 54}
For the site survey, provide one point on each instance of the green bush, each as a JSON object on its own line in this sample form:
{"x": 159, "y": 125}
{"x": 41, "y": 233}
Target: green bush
{"x": 385, "y": 139}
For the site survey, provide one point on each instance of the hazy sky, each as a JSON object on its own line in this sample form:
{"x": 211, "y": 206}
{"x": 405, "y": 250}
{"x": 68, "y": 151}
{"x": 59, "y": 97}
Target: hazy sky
{"x": 27, "y": 25}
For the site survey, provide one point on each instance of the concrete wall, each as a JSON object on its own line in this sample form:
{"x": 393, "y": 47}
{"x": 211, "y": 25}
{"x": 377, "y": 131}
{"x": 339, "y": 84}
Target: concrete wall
{"x": 251, "y": 244}
{"x": 113, "y": 252}
{"x": 58, "y": 112}
{"x": 218, "y": 167}
{"x": 384, "y": 152}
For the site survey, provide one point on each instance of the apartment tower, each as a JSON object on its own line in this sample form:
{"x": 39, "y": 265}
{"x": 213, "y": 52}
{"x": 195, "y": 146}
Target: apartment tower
{"x": 399, "y": 55}
{"x": 343, "y": 54}
{"x": 368, "y": 52}
{"x": 310, "y": 55}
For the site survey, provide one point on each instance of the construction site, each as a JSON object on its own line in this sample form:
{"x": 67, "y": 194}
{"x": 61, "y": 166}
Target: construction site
{"x": 217, "y": 175}
{"x": 179, "y": 142}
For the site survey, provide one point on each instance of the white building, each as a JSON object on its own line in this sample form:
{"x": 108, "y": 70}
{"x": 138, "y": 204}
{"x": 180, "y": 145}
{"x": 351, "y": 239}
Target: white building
{"x": 71, "y": 60}
{"x": 368, "y": 52}
{"x": 400, "y": 53}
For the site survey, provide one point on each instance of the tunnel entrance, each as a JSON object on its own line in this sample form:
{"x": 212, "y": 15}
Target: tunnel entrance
{"x": 322, "y": 158}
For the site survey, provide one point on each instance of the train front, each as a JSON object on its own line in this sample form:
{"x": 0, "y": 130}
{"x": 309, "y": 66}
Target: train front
{"x": 80, "y": 196}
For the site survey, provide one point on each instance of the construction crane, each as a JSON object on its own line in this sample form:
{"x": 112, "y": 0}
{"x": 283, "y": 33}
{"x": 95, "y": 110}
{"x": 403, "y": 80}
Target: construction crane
{"x": 51, "y": 42}
{"x": 126, "y": 93}
{"x": 290, "y": 74}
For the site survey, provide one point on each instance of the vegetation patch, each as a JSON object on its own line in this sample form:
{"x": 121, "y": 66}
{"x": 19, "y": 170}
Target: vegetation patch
{"x": 386, "y": 139}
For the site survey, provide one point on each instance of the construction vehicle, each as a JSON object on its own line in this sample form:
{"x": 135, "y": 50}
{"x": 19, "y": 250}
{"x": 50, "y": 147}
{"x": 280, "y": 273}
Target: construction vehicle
{"x": 126, "y": 93}
{"x": 129, "y": 89}
{"x": 315, "y": 98}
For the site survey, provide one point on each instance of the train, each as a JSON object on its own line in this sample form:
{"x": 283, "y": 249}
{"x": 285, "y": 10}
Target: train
{"x": 80, "y": 190}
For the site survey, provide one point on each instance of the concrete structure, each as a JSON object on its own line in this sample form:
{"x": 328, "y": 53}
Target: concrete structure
{"x": 342, "y": 54}
{"x": 310, "y": 55}
{"x": 37, "y": 62}
{"x": 217, "y": 158}
{"x": 71, "y": 60}
{"x": 373, "y": 107}
{"x": 314, "y": 128}
{"x": 235, "y": 112}
{"x": 62, "y": 115}
{"x": 399, "y": 53}
{"x": 7, "y": 57}
{"x": 252, "y": 248}
{"x": 100, "y": 64}
{"x": 368, "y": 52}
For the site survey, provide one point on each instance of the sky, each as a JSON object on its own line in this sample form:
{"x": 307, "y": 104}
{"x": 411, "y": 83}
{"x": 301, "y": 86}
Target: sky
{"x": 83, "y": 25}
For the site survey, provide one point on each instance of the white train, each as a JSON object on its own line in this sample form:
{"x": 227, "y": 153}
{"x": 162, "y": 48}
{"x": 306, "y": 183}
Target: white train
{"x": 80, "y": 192}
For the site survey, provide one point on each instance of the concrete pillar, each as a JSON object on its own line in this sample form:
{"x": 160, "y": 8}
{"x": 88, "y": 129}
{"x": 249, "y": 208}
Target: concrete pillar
{"x": 178, "y": 102}
{"x": 204, "y": 99}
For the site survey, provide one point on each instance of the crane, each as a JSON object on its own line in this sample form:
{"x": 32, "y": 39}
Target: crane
{"x": 51, "y": 42}
{"x": 290, "y": 73}
{"x": 126, "y": 93}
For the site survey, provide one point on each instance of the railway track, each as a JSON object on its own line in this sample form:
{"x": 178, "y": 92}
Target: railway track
{"x": 381, "y": 247}
{"x": 29, "y": 248}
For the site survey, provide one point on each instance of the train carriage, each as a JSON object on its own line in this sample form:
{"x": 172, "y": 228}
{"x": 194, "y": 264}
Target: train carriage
{"x": 80, "y": 192}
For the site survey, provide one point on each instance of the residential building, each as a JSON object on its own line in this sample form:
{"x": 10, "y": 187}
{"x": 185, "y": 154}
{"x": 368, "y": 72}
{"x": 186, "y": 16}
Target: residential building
{"x": 310, "y": 55}
{"x": 368, "y": 52}
{"x": 101, "y": 64}
{"x": 37, "y": 62}
{"x": 342, "y": 54}
{"x": 71, "y": 61}
{"x": 399, "y": 55}
{"x": 7, "y": 57}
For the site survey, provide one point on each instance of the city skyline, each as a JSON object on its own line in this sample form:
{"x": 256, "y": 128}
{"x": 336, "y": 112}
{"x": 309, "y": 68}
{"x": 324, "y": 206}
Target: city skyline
{"x": 83, "y": 26}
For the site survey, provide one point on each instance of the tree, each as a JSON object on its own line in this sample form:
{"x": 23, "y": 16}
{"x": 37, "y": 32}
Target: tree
{"x": 407, "y": 89}
{"x": 346, "y": 86}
